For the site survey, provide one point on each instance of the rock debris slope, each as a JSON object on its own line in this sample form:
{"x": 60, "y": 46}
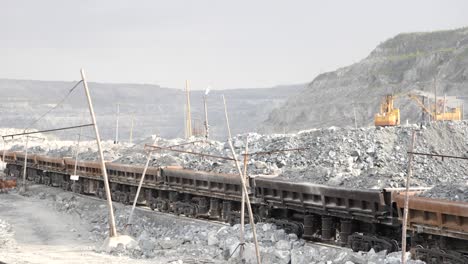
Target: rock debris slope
{"x": 403, "y": 63}
{"x": 357, "y": 158}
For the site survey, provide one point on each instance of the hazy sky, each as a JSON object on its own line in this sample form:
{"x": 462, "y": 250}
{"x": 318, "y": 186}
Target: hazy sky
{"x": 228, "y": 44}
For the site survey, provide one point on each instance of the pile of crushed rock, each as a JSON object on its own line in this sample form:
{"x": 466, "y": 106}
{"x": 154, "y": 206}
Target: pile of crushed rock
{"x": 6, "y": 236}
{"x": 172, "y": 239}
{"x": 452, "y": 191}
{"x": 372, "y": 157}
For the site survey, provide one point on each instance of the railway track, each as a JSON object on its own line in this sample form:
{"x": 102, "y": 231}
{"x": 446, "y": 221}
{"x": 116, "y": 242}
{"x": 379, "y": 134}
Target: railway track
{"x": 144, "y": 208}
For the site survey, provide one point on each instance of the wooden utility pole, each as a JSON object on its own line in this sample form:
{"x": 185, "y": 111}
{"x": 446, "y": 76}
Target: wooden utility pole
{"x": 423, "y": 113}
{"x": 242, "y": 227}
{"x": 244, "y": 186}
{"x": 77, "y": 152}
{"x": 131, "y": 128}
{"x": 148, "y": 159}
{"x": 188, "y": 116}
{"x": 207, "y": 128}
{"x": 405, "y": 211}
{"x": 355, "y": 119}
{"x": 435, "y": 100}
{"x": 112, "y": 229}
{"x": 25, "y": 169}
{"x": 116, "y": 141}
{"x": 227, "y": 119}
{"x": 444, "y": 106}
{"x": 4, "y": 149}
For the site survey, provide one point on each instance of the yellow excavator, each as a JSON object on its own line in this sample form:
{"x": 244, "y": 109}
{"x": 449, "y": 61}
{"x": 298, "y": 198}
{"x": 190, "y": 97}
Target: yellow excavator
{"x": 390, "y": 116}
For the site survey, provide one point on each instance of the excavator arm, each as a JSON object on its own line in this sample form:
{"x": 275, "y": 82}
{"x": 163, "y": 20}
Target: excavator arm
{"x": 420, "y": 104}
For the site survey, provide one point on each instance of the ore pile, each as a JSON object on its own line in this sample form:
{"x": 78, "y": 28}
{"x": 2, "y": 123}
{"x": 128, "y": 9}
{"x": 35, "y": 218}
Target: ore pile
{"x": 448, "y": 191}
{"x": 6, "y": 236}
{"x": 87, "y": 149}
{"x": 377, "y": 157}
{"x": 276, "y": 246}
{"x": 372, "y": 157}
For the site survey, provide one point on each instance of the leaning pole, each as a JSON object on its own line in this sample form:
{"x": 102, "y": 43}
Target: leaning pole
{"x": 112, "y": 229}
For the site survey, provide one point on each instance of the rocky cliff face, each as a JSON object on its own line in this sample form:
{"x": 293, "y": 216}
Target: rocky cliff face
{"x": 406, "y": 62}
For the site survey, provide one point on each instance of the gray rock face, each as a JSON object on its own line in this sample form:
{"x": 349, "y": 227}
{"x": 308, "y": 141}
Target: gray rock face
{"x": 401, "y": 64}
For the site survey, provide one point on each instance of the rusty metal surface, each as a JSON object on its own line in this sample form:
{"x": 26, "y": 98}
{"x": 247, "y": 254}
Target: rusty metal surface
{"x": 201, "y": 175}
{"x": 6, "y": 185}
{"x": 86, "y": 168}
{"x": 434, "y": 205}
{"x": 90, "y": 164}
{"x": 317, "y": 189}
{"x": 20, "y": 154}
{"x": 225, "y": 186}
{"x": 10, "y": 156}
{"x": 132, "y": 168}
{"x": 50, "y": 163}
{"x": 366, "y": 205}
{"x": 436, "y": 216}
{"x": 42, "y": 158}
{"x": 20, "y": 157}
{"x": 29, "y": 163}
{"x": 390, "y": 193}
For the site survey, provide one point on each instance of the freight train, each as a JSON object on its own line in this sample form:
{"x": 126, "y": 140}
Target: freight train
{"x": 360, "y": 219}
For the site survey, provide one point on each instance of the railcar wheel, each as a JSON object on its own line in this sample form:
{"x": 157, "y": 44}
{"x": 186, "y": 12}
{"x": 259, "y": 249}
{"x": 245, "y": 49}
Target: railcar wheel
{"x": 124, "y": 198}
{"x": 377, "y": 248}
{"x": 162, "y": 205}
{"x": 190, "y": 211}
{"x": 356, "y": 246}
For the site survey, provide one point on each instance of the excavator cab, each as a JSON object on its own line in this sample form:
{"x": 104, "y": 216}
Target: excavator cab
{"x": 388, "y": 115}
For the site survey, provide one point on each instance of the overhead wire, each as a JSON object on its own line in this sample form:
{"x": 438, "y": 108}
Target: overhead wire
{"x": 55, "y": 107}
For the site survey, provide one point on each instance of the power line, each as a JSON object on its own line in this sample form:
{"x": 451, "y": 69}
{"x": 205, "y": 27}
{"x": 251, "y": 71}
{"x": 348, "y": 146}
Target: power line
{"x": 53, "y": 108}
{"x": 437, "y": 155}
{"x": 45, "y": 131}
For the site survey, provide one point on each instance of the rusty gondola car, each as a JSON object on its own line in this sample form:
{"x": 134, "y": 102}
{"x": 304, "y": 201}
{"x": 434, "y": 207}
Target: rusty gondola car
{"x": 50, "y": 171}
{"x": 436, "y": 223}
{"x": 10, "y": 160}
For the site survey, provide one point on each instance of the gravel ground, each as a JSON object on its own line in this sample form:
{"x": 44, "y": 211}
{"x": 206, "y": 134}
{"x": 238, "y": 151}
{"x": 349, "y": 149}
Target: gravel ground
{"x": 74, "y": 224}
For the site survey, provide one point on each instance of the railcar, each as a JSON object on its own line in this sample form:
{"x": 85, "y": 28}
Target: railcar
{"x": 50, "y": 171}
{"x": 439, "y": 228}
{"x": 11, "y": 167}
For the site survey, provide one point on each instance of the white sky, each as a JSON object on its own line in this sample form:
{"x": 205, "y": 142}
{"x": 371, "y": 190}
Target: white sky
{"x": 225, "y": 44}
